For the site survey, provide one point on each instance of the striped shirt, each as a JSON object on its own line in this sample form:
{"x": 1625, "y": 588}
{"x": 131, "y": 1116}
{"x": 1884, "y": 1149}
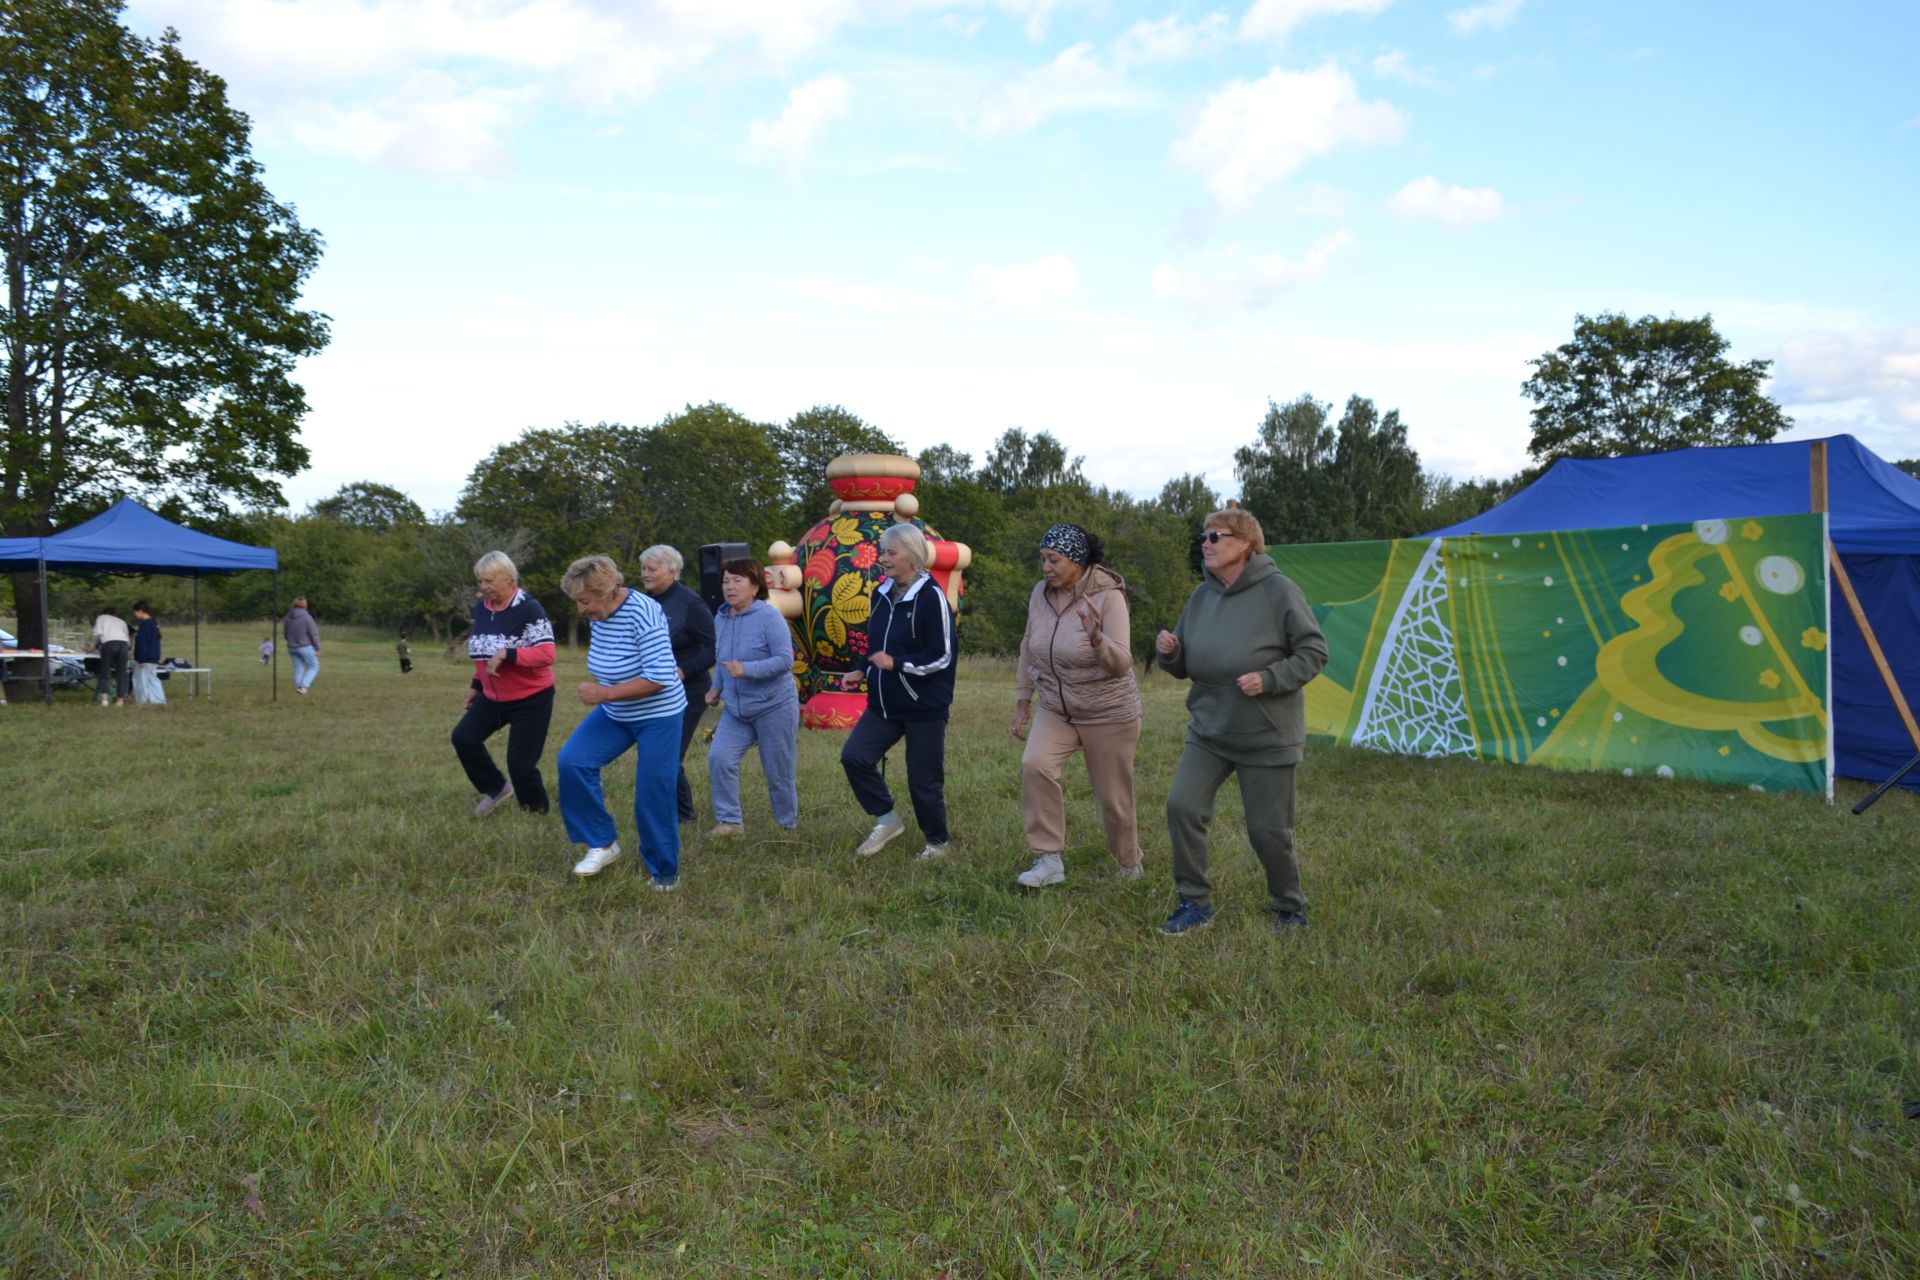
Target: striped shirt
{"x": 634, "y": 644}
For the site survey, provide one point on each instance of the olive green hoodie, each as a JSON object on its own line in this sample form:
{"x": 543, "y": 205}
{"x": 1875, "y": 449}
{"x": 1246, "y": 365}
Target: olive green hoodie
{"x": 1260, "y": 623}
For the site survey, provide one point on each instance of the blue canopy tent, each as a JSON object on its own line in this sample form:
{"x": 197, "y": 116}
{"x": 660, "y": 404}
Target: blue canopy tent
{"x": 128, "y": 538}
{"x": 1873, "y": 523}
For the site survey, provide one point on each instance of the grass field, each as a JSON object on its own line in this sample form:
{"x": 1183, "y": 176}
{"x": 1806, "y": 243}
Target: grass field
{"x": 275, "y": 1004}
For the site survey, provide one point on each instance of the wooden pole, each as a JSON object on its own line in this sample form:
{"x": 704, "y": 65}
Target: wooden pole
{"x": 1873, "y": 643}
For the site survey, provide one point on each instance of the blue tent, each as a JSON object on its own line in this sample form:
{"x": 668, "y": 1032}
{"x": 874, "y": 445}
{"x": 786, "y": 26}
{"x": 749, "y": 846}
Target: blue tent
{"x": 128, "y": 538}
{"x": 1873, "y": 520}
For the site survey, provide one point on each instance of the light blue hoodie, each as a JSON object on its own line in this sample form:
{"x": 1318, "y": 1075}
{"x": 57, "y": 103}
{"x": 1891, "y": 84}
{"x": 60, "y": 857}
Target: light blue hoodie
{"x": 758, "y": 639}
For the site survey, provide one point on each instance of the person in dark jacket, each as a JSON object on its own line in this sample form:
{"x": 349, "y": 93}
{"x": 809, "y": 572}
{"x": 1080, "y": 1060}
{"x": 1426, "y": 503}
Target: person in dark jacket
{"x": 908, "y": 668}
{"x": 147, "y": 689}
{"x": 1249, "y": 642}
{"x": 303, "y": 644}
{"x": 511, "y": 645}
{"x": 690, "y": 627}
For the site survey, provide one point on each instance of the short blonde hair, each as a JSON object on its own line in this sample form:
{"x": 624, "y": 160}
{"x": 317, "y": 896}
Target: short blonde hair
{"x": 664, "y": 556}
{"x": 907, "y": 538}
{"x": 592, "y": 575}
{"x": 1241, "y": 524}
{"x": 496, "y": 562}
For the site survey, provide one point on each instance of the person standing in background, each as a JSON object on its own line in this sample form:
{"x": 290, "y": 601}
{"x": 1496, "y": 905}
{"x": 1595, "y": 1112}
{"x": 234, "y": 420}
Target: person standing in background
{"x": 405, "y": 650}
{"x": 147, "y": 689}
{"x": 690, "y": 626}
{"x": 303, "y": 644}
{"x": 115, "y": 643}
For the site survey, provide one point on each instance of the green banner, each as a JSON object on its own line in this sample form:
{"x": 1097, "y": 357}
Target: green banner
{"x": 1690, "y": 650}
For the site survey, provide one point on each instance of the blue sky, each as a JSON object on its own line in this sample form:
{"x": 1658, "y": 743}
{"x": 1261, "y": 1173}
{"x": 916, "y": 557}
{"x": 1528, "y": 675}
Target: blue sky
{"x": 1127, "y": 224}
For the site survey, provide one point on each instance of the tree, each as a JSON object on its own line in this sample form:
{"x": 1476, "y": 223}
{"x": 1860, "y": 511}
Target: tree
{"x": 576, "y": 491}
{"x": 151, "y": 322}
{"x": 1190, "y": 500}
{"x": 1640, "y": 386}
{"x": 710, "y": 474}
{"x": 943, "y": 464}
{"x": 1281, "y": 473}
{"x": 811, "y": 440}
{"x": 1018, "y": 462}
{"x": 1910, "y": 465}
{"x": 367, "y": 505}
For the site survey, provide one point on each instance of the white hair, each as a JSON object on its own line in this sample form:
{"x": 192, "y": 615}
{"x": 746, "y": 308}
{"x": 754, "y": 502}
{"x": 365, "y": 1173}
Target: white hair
{"x": 664, "y": 556}
{"x": 496, "y": 563}
{"x": 909, "y": 539}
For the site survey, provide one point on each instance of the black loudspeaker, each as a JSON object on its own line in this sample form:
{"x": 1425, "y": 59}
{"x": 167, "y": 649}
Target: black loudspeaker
{"x": 712, "y": 556}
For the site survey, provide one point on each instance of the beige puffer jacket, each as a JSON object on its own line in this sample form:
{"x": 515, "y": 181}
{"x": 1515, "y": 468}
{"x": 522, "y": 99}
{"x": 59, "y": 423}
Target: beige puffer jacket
{"x": 1079, "y": 681}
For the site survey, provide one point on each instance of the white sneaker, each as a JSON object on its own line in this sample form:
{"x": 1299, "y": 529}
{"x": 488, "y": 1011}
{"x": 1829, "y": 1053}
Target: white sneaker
{"x": 1047, "y": 868}
{"x": 1133, "y": 872}
{"x": 596, "y": 859}
{"x": 883, "y": 834}
{"x": 934, "y": 850}
{"x": 726, "y": 830}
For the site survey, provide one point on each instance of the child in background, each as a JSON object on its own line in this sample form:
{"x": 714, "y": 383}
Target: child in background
{"x": 405, "y": 651}
{"x": 266, "y": 651}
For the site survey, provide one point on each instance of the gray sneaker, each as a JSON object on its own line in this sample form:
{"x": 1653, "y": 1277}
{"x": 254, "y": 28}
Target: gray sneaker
{"x": 1047, "y": 868}
{"x": 1133, "y": 872}
{"x": 489, "y": 803}
{"x": 883, "y": 834}
{"x": 934, "y": 850}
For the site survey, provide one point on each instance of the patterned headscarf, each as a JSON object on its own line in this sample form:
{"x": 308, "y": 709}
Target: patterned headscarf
{"x": 1070, "y": 540}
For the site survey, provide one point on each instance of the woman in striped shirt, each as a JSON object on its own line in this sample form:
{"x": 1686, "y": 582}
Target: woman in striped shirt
{"x": 636, "y": 700}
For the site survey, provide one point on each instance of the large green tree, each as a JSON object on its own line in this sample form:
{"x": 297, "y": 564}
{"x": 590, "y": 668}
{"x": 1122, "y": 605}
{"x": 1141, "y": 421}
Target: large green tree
{"x": 151, "y": 318}
{"x": 367, "y": 505}
{"x": 807, "y": 443}
{"x": 1640, "y": 386}
{"x": 1309, "y": 479}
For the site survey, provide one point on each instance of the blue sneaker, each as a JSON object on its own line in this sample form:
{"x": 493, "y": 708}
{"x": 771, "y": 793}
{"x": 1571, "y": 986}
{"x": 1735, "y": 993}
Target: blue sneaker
{"x": 1288, "y": 921}
{"x": 1187, "y": 917}
{"x": 665, "y": 884}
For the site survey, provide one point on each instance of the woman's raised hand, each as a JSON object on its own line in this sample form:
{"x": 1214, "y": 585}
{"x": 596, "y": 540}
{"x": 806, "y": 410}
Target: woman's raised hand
{"x": 1166, "y": 642}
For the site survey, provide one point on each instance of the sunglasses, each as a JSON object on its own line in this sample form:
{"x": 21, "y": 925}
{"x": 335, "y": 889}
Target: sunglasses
{"x": 1214, "y": 535}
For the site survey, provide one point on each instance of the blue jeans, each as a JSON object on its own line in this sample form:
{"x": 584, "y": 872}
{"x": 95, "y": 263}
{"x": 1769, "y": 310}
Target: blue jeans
{"x": 597, "y": 742}
{"x": 306, "y": 663}
{"x": 777, "y": 732}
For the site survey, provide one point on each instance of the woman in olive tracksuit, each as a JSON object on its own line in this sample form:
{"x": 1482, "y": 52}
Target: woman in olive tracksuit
{"x": 909, "y": 673}
{"x": 1249, "y": 642}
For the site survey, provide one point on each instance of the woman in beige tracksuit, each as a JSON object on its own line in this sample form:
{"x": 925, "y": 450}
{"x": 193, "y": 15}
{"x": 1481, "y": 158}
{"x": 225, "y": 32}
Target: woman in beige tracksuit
{"x": 1075, "y": 656}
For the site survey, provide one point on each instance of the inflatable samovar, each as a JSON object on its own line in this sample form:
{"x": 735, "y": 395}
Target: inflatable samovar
{"x": 824, "y": 587}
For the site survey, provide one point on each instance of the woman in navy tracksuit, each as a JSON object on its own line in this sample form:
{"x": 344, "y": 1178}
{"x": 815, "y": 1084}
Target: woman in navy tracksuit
{"x": 909, "y": 673}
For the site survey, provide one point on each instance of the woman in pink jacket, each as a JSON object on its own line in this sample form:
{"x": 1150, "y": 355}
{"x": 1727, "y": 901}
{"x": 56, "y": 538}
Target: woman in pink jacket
{"x": 1075, "y": 658}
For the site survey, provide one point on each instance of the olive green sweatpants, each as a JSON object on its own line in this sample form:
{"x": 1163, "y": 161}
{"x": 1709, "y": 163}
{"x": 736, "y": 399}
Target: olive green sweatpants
{"x": 1266, "y": 792}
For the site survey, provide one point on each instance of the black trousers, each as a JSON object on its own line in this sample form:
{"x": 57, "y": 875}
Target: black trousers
{"x": 525, "y": 721}
{"x": 867, "y": 746}
{"x": 115, "y": 668}
{"x": 689, "y": 721}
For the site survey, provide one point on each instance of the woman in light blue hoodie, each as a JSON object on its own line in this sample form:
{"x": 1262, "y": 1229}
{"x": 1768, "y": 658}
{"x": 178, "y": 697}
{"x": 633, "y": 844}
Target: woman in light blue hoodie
{"x": 754, "y": 678}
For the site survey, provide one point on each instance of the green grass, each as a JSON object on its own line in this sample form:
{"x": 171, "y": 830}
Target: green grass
{"x": 274, "y": 1004}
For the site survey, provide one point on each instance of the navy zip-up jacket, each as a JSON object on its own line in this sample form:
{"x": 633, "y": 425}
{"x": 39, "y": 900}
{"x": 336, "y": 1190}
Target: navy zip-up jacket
{"x": 915, "y": 625}
{"x": 690, "y": 630}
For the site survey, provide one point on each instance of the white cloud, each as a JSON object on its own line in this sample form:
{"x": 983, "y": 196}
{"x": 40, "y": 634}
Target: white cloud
{"x": 1074, "y": 81}
{"x": 1250, "y": 136}
{"x": 429, "y": 126}
{"x": 1029, "y": 286}
{"x": 1171, "y": 39}
{"x": 1273, "y": 19}
{"x": 1880, "y": 368}
{"x": 1492, "y": 14}
{"x": 1240, "y": 282}
{"x": 1394, "y": 65}
{"x": 811, "y": 109}
{"x": 1430, "y": 200}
